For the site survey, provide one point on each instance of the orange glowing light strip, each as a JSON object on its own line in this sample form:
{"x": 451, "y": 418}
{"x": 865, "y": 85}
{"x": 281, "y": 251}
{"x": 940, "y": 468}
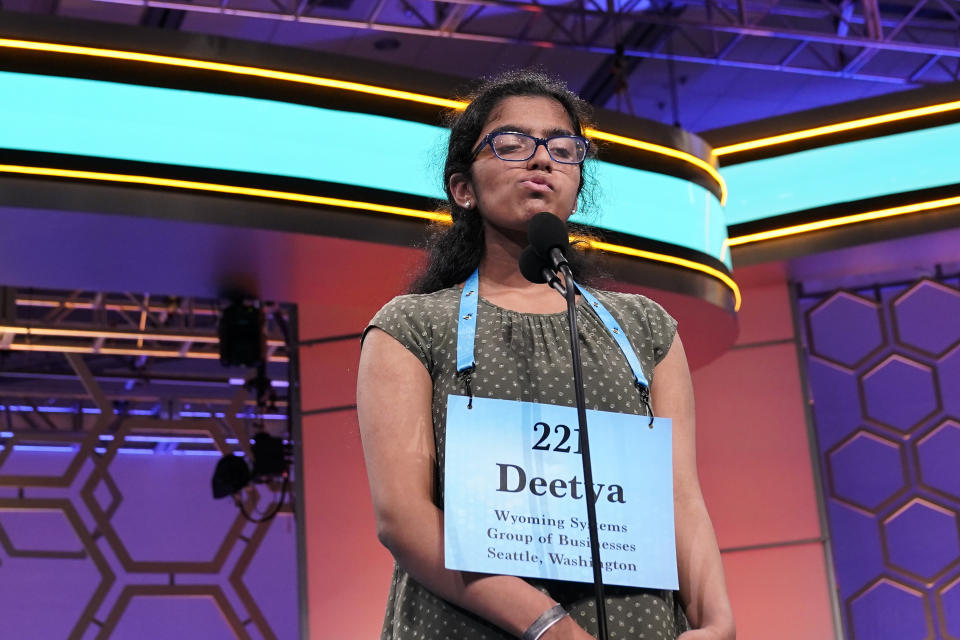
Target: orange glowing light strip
{"x": 110, "y": 306}
{"x": 155, "y": 353}
{"x": 665, "y": 151}
{"x": 330, "y": 83}
{"x": 322, "y": 200}
{"x": 844, "y": 220}
{"x": 680, "y": 262}
{"x": 238, "y": 69}
{"x": 838, "y": 127}
{"x": 223, "y": 188}
{"x": 116, "y": 335}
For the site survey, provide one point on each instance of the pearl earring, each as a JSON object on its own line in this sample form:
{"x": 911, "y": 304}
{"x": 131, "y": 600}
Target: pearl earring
{"x": 466, "y": 205}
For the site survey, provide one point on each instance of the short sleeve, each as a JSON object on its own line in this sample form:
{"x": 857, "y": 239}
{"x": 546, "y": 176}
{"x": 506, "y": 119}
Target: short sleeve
{"x": 403, "y": 319}
{"x": 650, "y": 328}
{"x": 663, "y": 327}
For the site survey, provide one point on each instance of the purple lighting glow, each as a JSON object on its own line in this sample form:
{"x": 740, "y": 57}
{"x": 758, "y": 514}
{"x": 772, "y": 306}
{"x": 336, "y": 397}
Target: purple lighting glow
{"x": 136, "y": 412}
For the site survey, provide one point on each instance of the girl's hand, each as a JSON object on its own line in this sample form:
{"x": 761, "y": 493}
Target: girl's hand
{"x": 566, "y": 629}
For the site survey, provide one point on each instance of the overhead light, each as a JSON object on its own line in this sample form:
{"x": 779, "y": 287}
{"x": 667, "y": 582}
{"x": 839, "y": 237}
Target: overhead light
{"x": 243, "y": 341}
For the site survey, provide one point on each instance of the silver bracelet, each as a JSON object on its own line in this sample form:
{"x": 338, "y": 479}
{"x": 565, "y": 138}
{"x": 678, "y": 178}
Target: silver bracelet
{"x": 547, "y": 619}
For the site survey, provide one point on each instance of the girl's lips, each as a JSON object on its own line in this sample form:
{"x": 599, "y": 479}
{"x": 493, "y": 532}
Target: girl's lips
{"x": 540, "y": 187}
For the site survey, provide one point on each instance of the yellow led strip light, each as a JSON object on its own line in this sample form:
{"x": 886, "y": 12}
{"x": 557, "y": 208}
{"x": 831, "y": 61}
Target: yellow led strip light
{"x": 665, "y": 151}
{"x": 332, "y": 84}
{"x": 680, "y": 262}
{"x": 337, "y": 202}
{"x": 838, "y": 127}
{"x": 117, "y": 335}
{"x": 156, "y": 353}
{"x": 844, "y": 220}
{"x": 224, "y": 188}
{"x": 232, "y": 68}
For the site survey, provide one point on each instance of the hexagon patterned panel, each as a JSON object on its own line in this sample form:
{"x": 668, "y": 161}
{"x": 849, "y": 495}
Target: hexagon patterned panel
{"x": 883, "y": 365}
{"x": 98, "y": 540}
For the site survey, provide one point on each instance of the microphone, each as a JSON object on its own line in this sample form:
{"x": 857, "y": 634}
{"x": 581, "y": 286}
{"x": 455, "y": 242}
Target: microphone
{"x": 537, "y": 270}
{"x": 532, "y": 266}
{"x": 548, "y": 236}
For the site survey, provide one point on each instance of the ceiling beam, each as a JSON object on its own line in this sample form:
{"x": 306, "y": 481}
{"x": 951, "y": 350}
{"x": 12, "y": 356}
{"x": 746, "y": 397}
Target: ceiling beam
{"x": 738, "y": 19}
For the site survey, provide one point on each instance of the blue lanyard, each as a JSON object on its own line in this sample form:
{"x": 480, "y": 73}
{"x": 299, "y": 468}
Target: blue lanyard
{"x": 467, "y": 333}
{"x": 467, "y": 323}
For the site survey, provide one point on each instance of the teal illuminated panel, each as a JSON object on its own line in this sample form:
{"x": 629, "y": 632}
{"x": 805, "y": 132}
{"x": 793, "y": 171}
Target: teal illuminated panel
{"x": 660, "y": 207}
{"x": 188, "y": 128}
{"x": 842, "y": 173}
{"x": 149, "y": 124}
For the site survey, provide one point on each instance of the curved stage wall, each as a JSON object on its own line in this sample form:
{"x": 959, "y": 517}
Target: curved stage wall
{"x": 143, "y": 217}
{"x": 236, "y": 134}
{"x": 367, "y": 158}
{"x": 841, "y": 176}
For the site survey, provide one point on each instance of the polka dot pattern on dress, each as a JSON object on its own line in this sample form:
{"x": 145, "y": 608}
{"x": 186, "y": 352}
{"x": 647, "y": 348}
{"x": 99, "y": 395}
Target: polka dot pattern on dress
{"x": 525, "y": 356}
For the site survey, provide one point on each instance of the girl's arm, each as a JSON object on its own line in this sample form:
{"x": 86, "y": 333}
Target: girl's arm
{"x": 702, "y": 586}
{"x": 394, "y": 396}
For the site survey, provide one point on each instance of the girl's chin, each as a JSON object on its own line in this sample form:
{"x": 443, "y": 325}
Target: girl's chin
{"x": 515, "y": 230}
{"x": 525, "y": 211}
{"x": 533, "y": 208}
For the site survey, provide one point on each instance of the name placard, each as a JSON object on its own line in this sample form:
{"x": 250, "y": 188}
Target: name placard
{"x": 515, "y": 500}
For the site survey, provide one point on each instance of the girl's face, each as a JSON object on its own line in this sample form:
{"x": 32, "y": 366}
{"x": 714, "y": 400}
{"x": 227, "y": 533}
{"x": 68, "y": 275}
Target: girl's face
{"x": 508, "y": 193}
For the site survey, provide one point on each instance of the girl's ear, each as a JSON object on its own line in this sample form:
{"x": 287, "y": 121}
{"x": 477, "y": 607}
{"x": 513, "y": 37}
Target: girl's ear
{"x": 462, "y": 191}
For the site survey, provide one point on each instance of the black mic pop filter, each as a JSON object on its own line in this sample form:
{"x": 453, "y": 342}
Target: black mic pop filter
{"x": 547, "y": 232}
{"x": 532, "y": 265}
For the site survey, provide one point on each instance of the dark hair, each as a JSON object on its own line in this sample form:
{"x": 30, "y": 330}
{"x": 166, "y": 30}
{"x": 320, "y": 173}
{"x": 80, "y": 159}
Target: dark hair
{"x": 455, "y": 250}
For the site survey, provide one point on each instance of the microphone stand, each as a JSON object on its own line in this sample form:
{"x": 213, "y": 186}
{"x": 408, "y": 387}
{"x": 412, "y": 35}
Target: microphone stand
{"x": 570, "y": 293}
{"x": 551, "y": 279}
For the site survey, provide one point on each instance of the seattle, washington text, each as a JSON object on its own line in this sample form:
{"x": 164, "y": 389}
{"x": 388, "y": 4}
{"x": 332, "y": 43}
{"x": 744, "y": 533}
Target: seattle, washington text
{"x": 554, "y": 540}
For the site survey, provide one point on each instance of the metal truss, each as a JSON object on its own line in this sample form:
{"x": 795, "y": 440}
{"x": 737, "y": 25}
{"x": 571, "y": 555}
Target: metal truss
{"x": 37, "y": 412}
{"x": 897, "y": 42}
{"x": 117, "y": 324}
{"x": 152, "y": 357}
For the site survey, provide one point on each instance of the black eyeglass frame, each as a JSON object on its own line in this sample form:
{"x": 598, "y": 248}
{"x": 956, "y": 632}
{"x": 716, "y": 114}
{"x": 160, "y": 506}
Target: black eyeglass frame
{"x": 488, "y": 140}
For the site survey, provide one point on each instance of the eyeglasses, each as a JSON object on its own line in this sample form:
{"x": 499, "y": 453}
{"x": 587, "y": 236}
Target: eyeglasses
{"x": 518, "y": 147}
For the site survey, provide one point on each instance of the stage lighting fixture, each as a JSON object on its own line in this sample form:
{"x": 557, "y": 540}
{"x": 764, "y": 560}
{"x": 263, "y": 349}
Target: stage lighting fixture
{"x": 269, "y": 456}
{"x": 231, "y": 475}
{"x": 270, "y": 462}
{"x": 242, "y": 337}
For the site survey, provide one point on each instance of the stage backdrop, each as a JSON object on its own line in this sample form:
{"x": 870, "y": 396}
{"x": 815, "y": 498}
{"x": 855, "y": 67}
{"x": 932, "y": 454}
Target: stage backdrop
{"x": 884, "y": 370}
{"x": 127, "y": 543}
{"x": 754, "y": 460}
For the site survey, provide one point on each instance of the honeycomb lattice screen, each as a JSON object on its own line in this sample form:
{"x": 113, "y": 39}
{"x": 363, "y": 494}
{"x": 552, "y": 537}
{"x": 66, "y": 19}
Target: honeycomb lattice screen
{"x": 883, "y": 366}
{"x": 101, "y": 538}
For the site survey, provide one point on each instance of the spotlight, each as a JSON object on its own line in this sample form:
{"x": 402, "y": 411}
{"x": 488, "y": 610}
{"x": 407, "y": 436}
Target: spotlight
{"x": 231, "y": 475}
{"x": 242, "y": 338}
{"x": 269, "y": 456}
{"x": 270, "y": 462}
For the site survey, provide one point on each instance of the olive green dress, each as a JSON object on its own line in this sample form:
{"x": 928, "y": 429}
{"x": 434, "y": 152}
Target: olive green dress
{"x": 525, "y": 356}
